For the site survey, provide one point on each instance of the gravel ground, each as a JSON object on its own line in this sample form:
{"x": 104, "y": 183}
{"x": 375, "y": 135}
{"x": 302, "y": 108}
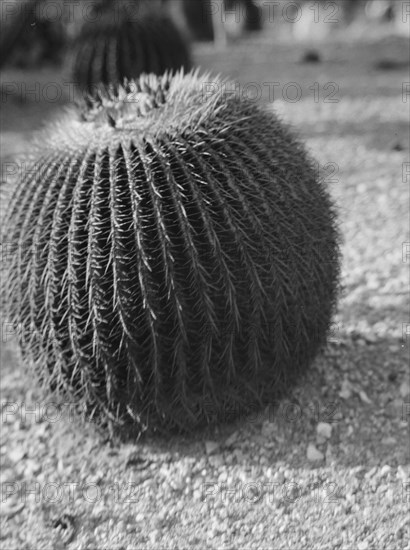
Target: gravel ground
{"x": 329, "y": 466}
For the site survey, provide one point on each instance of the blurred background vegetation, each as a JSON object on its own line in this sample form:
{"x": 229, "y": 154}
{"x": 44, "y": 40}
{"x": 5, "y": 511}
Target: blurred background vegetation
{"x": 36, "y": 32}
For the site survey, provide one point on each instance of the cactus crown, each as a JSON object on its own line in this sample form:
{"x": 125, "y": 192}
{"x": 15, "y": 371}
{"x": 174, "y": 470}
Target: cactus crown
{"x": 123, "y": 106}
{"x": 149, "y": 107}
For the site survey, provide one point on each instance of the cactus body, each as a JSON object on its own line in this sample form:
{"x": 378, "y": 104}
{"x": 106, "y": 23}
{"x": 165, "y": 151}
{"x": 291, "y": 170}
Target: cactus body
{"x": 118, "y": 46}
{"x": 178, "y": 255}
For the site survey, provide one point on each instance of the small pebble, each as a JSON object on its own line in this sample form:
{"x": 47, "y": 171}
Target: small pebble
{"x": 211, "y": 447}
{"x": 313, "y": 454}
{"x": 154, "y": 536}
{"x": 9, "y": 511}
{"x": 388, "y": 441}
{"x": 32, "y": 468}
{"x": 346, "y": 391}
{"x": 324, "y": 429}
{"x": 385, "y": 470}
{"x": 268, "y": 429}
{"x": 364, "y": 397}
{"x": 178, "y": 483}
{"x": 217, "y": 461}
{"x": 370, "y": 473}
{"x": 279, "y": 477}
{"x": 16, "y": 455}
{"x": 402, "y": 474}
{"x": 231, "y": 439}
{"x": 405, "y": 389}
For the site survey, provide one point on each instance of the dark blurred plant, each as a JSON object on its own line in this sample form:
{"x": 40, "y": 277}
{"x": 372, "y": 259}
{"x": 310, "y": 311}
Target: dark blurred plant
{"x": 119, "y": 44}
{"x": 28, "y": 39}
{"x": 34, "y": 32}
{"x": 198, "y": 13}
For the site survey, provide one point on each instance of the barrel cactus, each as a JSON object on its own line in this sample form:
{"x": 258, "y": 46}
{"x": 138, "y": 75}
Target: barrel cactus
{"x": 178, "y": 254}
{"x": 120, "y": 45}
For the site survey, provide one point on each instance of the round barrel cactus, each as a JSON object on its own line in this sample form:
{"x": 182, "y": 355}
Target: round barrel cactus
{"x": 118, "y": 45}
{"x": 177, "y": 254}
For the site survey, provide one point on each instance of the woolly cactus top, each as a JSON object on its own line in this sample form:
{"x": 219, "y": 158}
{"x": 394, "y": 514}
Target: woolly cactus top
{"x": 149, "y": 108}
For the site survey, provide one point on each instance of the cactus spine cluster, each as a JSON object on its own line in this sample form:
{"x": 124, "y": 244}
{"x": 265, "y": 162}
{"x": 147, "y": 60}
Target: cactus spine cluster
{"x": 120, "y": 45}
{"x": 178, "y": 255}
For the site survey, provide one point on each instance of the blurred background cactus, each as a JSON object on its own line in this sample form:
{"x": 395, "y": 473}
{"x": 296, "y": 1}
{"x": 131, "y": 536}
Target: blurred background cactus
{"x": 118, "y": 42}
{"x": 178, "y": 255}
{"x": 37, "y": 32}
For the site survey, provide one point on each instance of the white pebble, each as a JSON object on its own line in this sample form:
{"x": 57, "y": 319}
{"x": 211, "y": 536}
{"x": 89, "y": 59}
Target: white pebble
{"x": 314, "y": 454}
{"x": 385, "y": 470}
{"x": 211, "y": 447}
{"x": 405, "y": 389}
{"x": 324, "y": 430}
